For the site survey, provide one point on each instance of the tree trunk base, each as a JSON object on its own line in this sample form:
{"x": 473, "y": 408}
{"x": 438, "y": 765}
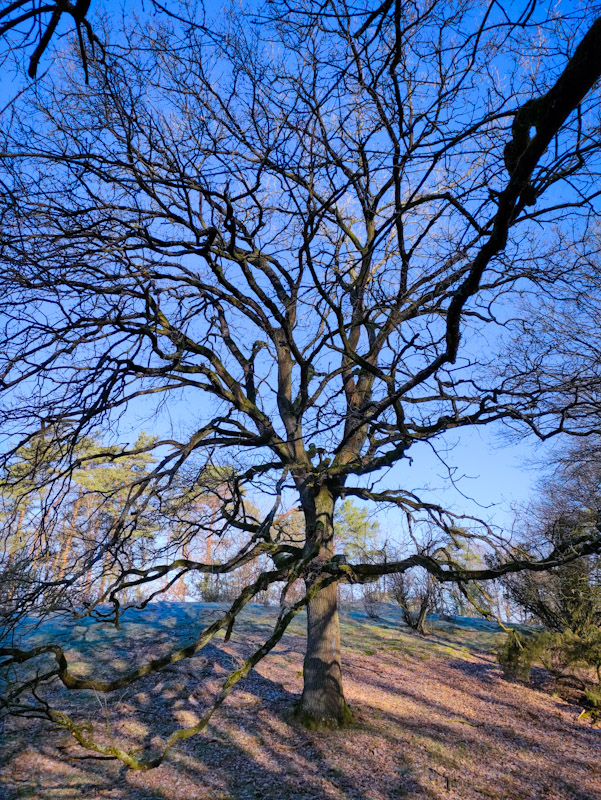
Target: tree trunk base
{"x": 316, "y": 721}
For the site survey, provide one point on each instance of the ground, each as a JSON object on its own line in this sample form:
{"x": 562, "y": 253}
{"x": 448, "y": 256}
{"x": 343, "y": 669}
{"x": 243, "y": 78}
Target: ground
{"x": 433, "y": 719}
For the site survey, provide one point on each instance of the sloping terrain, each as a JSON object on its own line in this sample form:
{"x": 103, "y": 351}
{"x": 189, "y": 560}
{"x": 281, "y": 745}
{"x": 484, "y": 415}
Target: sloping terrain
{"x": 434, "y": 719}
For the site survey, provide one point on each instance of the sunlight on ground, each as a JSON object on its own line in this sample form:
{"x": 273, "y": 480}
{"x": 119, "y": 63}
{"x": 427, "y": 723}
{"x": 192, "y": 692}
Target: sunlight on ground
{"x": 433, "y": 720}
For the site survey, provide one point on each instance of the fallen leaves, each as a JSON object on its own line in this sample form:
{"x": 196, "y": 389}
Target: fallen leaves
{"x": 434, "y": 720}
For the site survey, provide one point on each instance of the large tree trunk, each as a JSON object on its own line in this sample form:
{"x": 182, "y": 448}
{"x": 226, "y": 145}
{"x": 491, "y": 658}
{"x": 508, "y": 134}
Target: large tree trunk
{"x": 322, "y": 703}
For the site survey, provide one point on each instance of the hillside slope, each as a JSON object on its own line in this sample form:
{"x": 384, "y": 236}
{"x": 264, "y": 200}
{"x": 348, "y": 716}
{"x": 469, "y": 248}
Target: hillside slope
{"x": 434, "y": 719}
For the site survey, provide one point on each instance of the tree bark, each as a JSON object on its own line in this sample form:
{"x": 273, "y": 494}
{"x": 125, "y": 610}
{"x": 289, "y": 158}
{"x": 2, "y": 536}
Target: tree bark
{"x": 420, "y": 622}
{"x": 322, "y": 703}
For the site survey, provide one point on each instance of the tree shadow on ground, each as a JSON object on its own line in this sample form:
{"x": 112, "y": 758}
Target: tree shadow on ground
{"x": 437, "y": 728}
{"x": 513, "y": 752}
{"x": 253, "y": 750}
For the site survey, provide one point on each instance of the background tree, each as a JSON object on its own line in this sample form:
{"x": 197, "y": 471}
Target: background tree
{"x": 567, "y": 598}
{"x": 356, "y": 536}
{"x": 311, "y": 233}
{"x": 465, "y": 598}
{"x": 55, "y": 522}
{"x": 417, "y": 594}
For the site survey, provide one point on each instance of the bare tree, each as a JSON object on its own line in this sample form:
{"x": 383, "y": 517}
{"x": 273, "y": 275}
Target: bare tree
{"x": 37, "y": 23}
{"x": 34, "y": 25}
{"x": 416, "y": 596}
{"x": 310, "y": 231}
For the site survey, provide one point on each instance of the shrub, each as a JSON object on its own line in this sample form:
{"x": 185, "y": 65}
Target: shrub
{"x": 583, "y": 650}
{"x": 557, "y": 652}
{"x": 592, "y": 696}
{"x": 516, "y": 655}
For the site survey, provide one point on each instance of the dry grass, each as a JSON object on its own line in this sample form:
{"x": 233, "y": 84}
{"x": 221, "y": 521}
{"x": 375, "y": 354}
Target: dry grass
{"x": 434, "y": 720}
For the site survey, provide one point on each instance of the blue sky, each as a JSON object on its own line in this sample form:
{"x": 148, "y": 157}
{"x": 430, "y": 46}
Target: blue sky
{"x": 491, "y": 471}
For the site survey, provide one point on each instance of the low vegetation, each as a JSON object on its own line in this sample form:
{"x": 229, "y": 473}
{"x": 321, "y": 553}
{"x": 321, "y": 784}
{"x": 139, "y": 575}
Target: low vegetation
{"x": 571, "y": 658}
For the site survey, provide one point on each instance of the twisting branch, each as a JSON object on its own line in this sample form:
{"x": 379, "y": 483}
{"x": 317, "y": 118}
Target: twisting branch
{"x": 84, "y": 732}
